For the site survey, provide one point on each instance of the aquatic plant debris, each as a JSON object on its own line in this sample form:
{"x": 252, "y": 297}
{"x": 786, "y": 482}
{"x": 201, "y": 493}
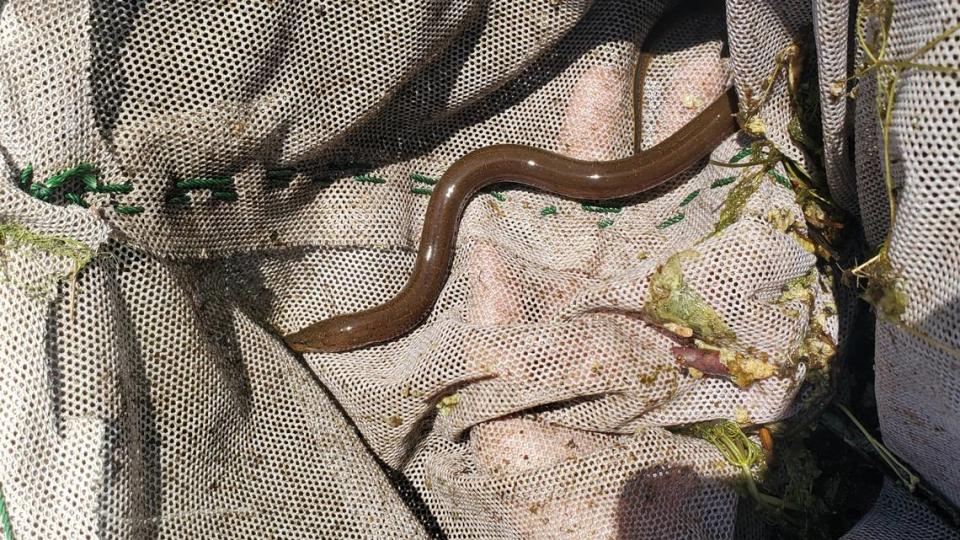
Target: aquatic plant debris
{"x": 671, "y": 300}
{"x": 884, "y": 290}
{"x": 15, "y": 236}
{"x": 445, "y": 406}
{"x": 742, "y": 453}
{"x": 736, "y": 201}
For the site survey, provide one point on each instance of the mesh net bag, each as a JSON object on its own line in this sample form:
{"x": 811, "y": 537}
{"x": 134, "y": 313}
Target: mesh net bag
{"x": 183, "y": 182}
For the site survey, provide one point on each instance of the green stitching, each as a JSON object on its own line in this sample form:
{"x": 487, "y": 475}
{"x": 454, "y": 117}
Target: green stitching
{"x": 498, "y": 196}
{"x": 127, "y": 210}
{"x": 421, "y": 191}
{"x": 548, "y": 211}
{"x": 26, "y": 175}
{"x": 40, "y": 191}
{"x": 780, "y": 179}
{"x": 723, "y": 181}
{"x": 61, "y": 177}
{"x": 225, "y": 195}
{"x": 369, "y": 179}
{"x": 601, "y": 209}
{"x": 741, "y": 154}
{"x": 5, "y": 518}
{"x": 693, "y": 195}
{"x": 671, "y": 221}
{"x": 75, "y": 198}
{"x": 423, "y": 179}
{"x": 89, "y": 181}
{"x": 604, "y": 223}
{"x": 43, "y": 190}
{"x": 205, "y": 183}
{"x": 88, "y": 175}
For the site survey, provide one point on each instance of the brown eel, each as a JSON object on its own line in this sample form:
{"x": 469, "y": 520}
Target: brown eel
{"x": 540, "y": 169}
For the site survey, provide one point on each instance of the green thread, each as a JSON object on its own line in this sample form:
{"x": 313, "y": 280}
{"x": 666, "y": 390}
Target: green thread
{"x": 720, "y": 182}
{"x": 369, "y": 179}
{"x": 225, "y": 195}
{"x": 88, "y": 175}
{"x": 423, "y": 179}
{"x": 63, "y": 176}
{"x": 671, "y": 221}
{"x": 26, "y": 175}
{"x": 780, "y": 179}
{"x": 604, "y": 223}
{"x": 601, "y": 209}
{"x": 89, "y": 181}
{"x": 741, "y": 154}
{"x": 40, "y": 191}
{"x": 127, "y": 210}
{"x": 75, "y": 198}
{"x": 693, "y": 195}
{"x": 204, "y": 182}
{"x": 548, "y": 211}
{"x": 421, "y": 191}
{"x": 498, "y": 196}
{"x": 5, "y": 518}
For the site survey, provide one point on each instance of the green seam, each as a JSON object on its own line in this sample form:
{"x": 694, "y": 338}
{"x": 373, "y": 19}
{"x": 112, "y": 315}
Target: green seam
{"x": 498, "y": 196}
{"x": 671, "y": 221}
{"x": 43, "y": 190}
{"x": 127, "y": 210}
{"x": 61, "y": 177}
{"x": 741, "y": 154}
{"x": 720, "y": 182}
{"x": 40, "y": 191}
{"x": 780, "y": 179}
{"x": 601, "y": 209}
{"x": 205, "y": 182}
{"x": 5, "y": 518}
{"x": 369, "y": 179}
{"x": 90, "y": 181}
{"x": 75, "y": 198}
{"x": 26, "y": 174}
{"x": 604, "y": 223}
{"x": 693, "y": 195}
{"x": 423, "y": 179}
{"x": 548, "y": 211}
{"x": 88, "y": 176}
{"x": 421, "y": 191}
{"x": 225, "y": 195}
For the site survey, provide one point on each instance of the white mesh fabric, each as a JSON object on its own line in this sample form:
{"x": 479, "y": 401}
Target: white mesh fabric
{"x": 917, "y": 386}
{"x": 898, "y": 516}
{"x": 168, "y": 406}
{"x": 832, "y": 20}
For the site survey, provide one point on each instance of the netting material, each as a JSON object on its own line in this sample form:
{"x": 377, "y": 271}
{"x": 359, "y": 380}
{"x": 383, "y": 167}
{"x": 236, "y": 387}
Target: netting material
{"x": 918, "y": 389}
{"x": 897, "y": 515}
{"x": 168, "y": 405}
